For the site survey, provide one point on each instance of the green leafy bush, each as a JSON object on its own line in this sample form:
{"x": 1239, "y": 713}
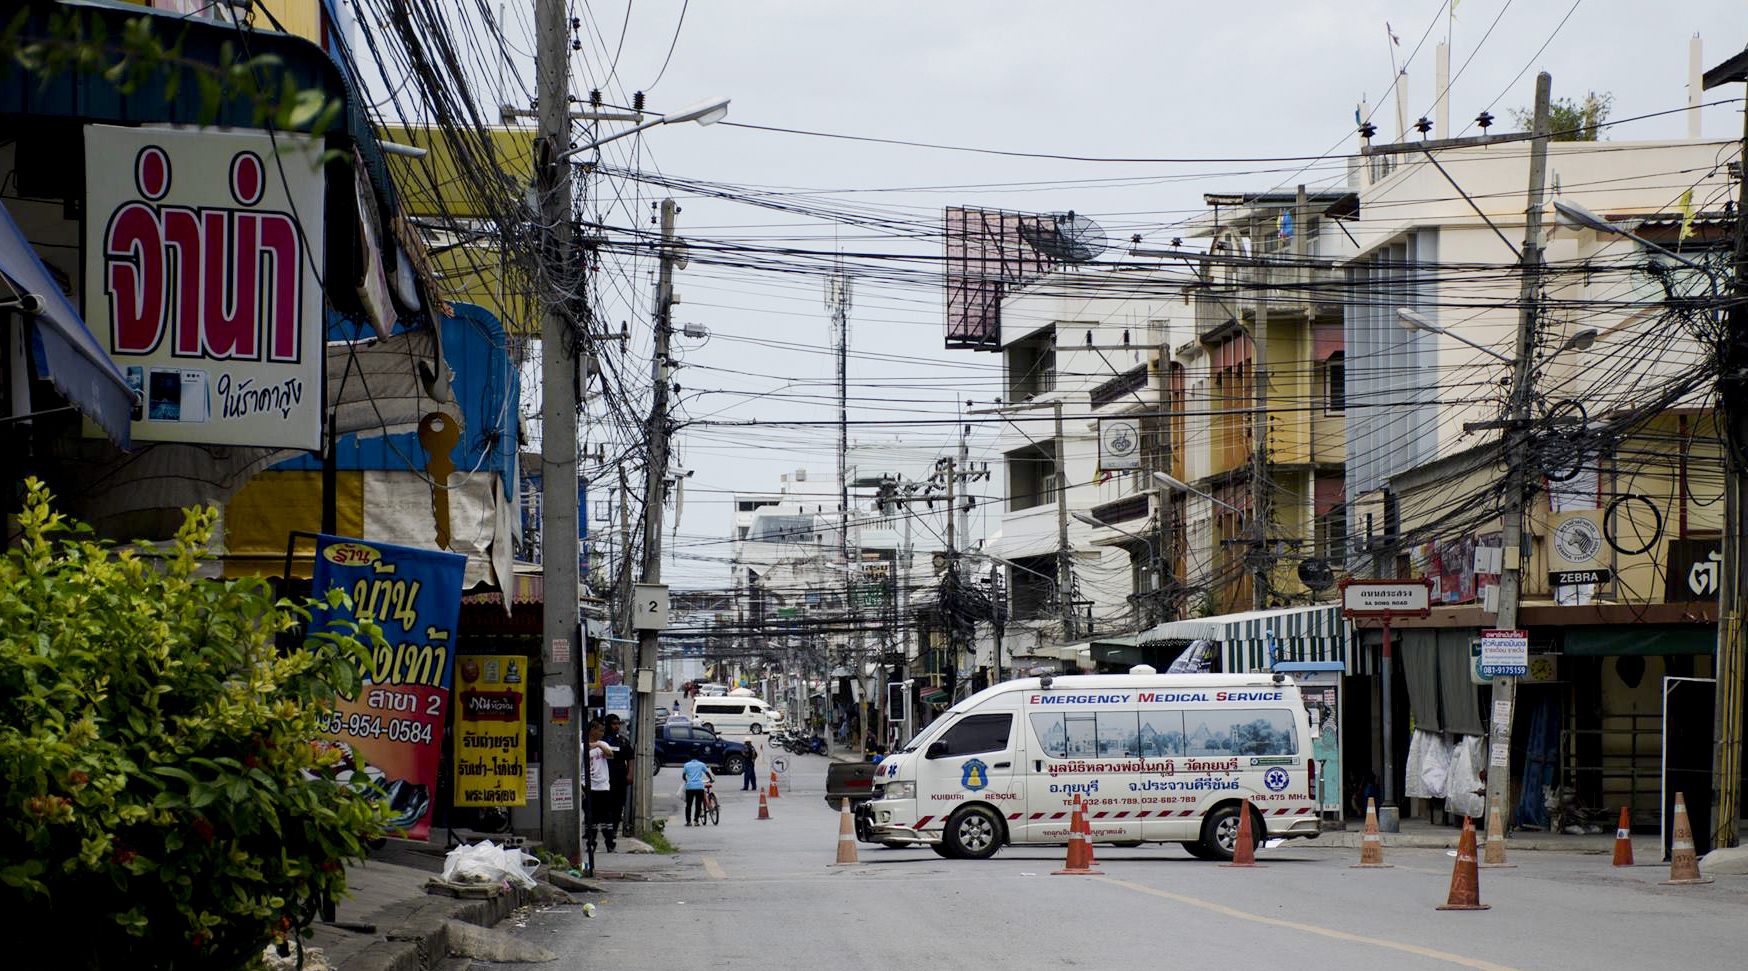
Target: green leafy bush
{"x": 164, "y": 800}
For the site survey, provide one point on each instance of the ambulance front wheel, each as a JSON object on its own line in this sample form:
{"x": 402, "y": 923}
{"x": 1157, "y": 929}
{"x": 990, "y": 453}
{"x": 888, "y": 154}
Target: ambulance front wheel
{"x": 973, "y": 833}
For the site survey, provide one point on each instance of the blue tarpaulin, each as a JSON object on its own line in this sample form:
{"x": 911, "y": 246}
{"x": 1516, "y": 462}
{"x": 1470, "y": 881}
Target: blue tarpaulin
{"x": 66, "y": 353}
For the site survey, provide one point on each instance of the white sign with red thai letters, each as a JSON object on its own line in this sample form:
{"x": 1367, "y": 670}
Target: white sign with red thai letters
{"x": 203, "y": 249}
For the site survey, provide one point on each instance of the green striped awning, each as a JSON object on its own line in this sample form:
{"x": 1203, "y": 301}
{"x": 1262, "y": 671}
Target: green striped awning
{"x": 1314, "y": 633}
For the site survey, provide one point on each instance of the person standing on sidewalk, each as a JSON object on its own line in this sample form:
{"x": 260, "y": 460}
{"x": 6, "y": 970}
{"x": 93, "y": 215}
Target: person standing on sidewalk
{"x": 749, "y": 776}
{"x": 621, "y": 774}
{"x": 693, "y": 774}
{"x": 598, "y": 807}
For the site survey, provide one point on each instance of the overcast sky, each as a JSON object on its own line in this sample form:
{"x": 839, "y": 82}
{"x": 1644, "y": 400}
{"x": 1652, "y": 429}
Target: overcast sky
{"x": 1215, "y": 84}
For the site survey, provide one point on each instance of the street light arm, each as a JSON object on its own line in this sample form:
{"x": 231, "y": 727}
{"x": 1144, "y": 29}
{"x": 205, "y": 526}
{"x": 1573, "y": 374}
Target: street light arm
{"x": 1573, "y": 214}
{"x": 1178, "y": 485}
{"x": 1413, "y": 320}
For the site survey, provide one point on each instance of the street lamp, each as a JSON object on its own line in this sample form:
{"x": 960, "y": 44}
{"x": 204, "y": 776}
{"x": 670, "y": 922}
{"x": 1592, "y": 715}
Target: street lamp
{"x": 1574, "y": 216}
{"x": 1178, "y": 485}
{"x": 707, "y": 112}
{"x": 1152, "y": 549}
{"x": 1412, "y": 320}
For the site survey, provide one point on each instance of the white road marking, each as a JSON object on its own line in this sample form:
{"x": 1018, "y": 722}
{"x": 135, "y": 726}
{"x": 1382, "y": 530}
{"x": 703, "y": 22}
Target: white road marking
{"x": 1425, "y": 952}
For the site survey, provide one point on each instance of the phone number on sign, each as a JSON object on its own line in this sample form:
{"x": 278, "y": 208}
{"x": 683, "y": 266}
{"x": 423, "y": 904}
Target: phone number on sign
{"x": 372, "y": 726}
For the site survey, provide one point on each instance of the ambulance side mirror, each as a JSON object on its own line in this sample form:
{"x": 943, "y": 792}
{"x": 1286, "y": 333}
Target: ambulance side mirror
{"x": 935, "y": 750}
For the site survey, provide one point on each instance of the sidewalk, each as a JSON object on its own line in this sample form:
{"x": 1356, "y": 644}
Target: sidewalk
{"x": 1418, "y": 833}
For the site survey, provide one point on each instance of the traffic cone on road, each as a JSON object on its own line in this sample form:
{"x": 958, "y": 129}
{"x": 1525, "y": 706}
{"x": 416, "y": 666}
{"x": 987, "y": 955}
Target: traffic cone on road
{"x": 1623, "y": 841}
{"x": 1085, "y": 817}
{"x": 1683, "y": 863}
{"x": 1465, "y": 879}
{"x": 774, "y": 792}
{"x": 846, "y": 837}
{"x": 1371, "y": 843}
{"x": 764, "y": 808}
{"x": 1494, "y": 853}
{"x": 1079, "y": 862}
{"x": 1244, "y": 851}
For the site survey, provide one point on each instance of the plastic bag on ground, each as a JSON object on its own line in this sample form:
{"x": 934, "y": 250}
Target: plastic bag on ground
{"x": 487, "y": 862}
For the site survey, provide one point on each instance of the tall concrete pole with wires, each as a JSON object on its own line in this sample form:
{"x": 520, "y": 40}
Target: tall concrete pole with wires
{"x": 1732, "y": 652}
{"x": 561, "y": 697}
{"x": 654, "y": 493}
{"x": 1516, "y": 486}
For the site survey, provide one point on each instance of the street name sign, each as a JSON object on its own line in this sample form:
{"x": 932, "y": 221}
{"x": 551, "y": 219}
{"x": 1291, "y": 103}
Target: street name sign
{"x": 1386, "y": 598}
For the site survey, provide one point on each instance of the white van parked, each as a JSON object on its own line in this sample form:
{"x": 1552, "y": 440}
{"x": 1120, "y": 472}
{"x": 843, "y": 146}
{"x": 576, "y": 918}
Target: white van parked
{"x": 735, "y": 715}
{"x": 1154, "y": 758}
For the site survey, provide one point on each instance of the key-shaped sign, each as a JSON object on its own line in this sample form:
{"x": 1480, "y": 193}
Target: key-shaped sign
{"x": 438, "y": 433}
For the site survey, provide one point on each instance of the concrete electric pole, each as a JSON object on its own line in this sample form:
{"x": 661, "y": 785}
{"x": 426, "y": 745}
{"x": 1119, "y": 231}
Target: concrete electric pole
{"x": 655, "y": 487}
{"x": 1516, "y": 489}
{"x": 561, "y": 701}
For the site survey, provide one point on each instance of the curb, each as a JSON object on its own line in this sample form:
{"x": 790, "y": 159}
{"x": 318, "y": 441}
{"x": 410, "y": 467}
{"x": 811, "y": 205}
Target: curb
{"x": 421, "y": 942}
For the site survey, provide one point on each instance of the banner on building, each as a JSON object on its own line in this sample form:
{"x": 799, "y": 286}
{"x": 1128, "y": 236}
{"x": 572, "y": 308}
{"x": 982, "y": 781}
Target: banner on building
{"x": 1119, "y": 444}
{"x": 393, "y": 730}
{"x": 202, "y": 253}
{"x": 491, "y": 747}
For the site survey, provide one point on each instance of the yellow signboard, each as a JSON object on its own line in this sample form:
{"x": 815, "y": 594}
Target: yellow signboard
{"x": 491, "y": 694}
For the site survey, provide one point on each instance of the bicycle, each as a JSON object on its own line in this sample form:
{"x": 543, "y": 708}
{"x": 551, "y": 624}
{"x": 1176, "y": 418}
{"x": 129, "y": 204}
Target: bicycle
{"x": 712, "y": 807}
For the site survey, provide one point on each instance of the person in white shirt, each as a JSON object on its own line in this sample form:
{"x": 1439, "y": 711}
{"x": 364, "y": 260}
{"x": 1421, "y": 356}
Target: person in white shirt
{"x": 598, "y": 808}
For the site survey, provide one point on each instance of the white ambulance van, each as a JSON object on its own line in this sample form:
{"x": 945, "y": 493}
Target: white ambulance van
{"x": 1154, "y": 758}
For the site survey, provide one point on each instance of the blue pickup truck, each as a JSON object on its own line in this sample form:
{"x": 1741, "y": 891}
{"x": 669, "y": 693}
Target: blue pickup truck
{"x": 679, "y": 744}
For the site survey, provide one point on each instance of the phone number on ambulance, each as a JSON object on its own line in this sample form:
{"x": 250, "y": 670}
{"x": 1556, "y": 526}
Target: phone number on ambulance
{"x": 372, "y": 726}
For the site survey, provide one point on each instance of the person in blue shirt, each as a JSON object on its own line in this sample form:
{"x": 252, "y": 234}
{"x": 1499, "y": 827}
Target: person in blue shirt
{"x": 694, "y": 773}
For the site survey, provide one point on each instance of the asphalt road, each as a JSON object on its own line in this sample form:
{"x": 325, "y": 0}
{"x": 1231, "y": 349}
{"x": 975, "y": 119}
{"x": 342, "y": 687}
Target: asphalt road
{"x": 752, "y": 893}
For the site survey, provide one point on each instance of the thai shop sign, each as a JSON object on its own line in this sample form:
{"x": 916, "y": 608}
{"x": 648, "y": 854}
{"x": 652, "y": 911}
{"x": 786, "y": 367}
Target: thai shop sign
{"x": 491, "y": 695}
{"x": 202, "y": 249}
{"x": 394, "y": 728}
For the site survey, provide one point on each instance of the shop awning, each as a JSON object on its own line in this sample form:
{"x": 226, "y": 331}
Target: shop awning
{"x": 1642, "y": 639}
{"x": 1314, "y": 633}
{"x": 935, "y": 697}
{"x": 67, "y": 355}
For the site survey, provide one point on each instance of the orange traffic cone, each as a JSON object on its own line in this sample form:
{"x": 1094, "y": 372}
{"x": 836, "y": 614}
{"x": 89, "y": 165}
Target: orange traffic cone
{"x": 1465, "y": 879}
{"x": 1623, "y": 841}
{"x": 1683, "y": 863}
{"x": 846, "y": 837}
{"x": 774, "y": 792}
{"x": 1079, "y": 862}
{"x": 764, "y": 808}
{"x": 1244, "y": 850}
{"x": 1494, "y": 853}
{"x": 1086, "y": 830}
{"x": 1371, "y": 843}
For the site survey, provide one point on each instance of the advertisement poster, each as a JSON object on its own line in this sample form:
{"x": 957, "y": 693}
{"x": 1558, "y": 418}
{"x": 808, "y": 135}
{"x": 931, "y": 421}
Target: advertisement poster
{"x": 202, "y": 249}
{"x": 491, "y": 735}
{"x": 393, "y": 730}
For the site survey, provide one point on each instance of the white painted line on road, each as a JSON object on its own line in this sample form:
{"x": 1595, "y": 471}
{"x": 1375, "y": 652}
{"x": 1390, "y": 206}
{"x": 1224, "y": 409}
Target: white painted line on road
{"x": 1425, "y": 952}
{"x": 711, "y": 867}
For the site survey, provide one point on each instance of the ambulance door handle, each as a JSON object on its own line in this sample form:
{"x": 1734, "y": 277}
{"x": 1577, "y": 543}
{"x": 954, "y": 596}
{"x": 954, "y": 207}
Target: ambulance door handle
{"x": 1037, "y": 765}
{"x": 1004, "y": 765}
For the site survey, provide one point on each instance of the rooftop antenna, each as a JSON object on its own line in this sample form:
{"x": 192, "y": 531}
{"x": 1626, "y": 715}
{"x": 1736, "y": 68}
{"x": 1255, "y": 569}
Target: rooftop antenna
{"x": 1065, "y": 236}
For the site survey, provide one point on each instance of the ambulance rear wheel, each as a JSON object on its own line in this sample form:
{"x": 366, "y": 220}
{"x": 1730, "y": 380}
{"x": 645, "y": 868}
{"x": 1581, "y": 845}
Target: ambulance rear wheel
{"x": 1220, "y": 832}
{"x": 973, "y": 833}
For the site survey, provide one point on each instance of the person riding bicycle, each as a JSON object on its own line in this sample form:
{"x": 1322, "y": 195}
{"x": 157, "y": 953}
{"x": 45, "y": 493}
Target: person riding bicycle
{"x": 695, "y": 773}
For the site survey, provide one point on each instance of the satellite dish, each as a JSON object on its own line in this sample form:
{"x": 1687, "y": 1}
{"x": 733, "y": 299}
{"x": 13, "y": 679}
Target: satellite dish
{"x": 1065, "y": 237}
{"x": 1316, "y": 574}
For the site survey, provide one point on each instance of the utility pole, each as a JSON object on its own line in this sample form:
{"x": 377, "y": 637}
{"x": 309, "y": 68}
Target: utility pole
{"x": 654, "y": 487}
{"x": 1733, "y": 573}
{"x": 559, "y": 398}
{"x": 1259, "y": 460}
{"x": 1517, "y": 456}
{"x": 837, "y": 299}
{"x": 627, "y": 654}
{"x": 1064, "y": 555}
